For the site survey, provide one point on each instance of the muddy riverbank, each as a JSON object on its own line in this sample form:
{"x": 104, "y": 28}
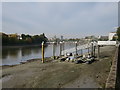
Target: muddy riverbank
{"x": 55, "y": 74}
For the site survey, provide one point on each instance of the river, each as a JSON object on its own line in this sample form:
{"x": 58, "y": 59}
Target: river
{"x": 12, "y": 56}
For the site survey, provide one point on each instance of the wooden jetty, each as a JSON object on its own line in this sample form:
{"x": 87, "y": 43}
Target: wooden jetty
{"x": 91, "y": 46}
{"x": 81, "y": 47}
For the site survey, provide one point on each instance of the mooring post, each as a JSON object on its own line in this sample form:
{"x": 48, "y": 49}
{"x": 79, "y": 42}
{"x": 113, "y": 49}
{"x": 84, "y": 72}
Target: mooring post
{"x": 60, "y": 48}
{"x": 63, "y": 47}
{"x": 98, "y": 52}
{"x": 91, "y": 48}
{"x": 76, "y": 47}
{"x": 53, "y": 50}
{"x": 94, "y": 50}
{"x": 43, "y": 52}
{"x": 88, "y": 50}
{"x": 81, "y": 52}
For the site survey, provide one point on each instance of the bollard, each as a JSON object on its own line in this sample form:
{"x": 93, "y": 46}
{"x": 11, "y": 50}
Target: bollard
{"x": 43, "y": 52}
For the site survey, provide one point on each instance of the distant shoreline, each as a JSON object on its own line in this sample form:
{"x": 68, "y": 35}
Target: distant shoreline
{"x": 21, "y": 46}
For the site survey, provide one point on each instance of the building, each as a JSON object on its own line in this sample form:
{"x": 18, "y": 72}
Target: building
{"x": 111, "y": 35}
{"x": 61, "y": 38}
{"x": 91, "y": 38}
{"x": 103, "y": 38}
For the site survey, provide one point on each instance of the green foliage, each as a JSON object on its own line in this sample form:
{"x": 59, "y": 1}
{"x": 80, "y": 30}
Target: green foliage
{"x": 5, "y": 39}
{"x": 118, "y": 33}
{"x": 23, "y": 36}
{"x": 74, "y": 39}
{"x": 114, "y": 39}
{"x": 14, "y": 39}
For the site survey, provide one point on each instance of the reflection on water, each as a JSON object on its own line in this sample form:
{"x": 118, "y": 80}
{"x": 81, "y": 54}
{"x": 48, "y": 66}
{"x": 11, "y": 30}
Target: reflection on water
{"x": 36, "y": 50}
{"x": 13, "y": 53}
{"x": 12, "y": 56}
{"x": 4, "y": 54}
{"x": 26, "y": 51}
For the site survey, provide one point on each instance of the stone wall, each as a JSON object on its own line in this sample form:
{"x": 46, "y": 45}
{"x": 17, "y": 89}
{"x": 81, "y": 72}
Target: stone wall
{"x": 118, "y": 70}
{"x": 113, "y": 78}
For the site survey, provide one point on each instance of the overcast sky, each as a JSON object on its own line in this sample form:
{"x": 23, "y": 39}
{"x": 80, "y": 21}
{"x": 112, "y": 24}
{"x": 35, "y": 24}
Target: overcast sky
{"x": 70, "y": 19}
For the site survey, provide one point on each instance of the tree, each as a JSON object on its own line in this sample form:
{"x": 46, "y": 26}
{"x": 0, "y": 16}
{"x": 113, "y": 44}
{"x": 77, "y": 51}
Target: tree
{"x": 28, "y": 40}
{"x": 114, "y": 38}
{"x": 118, "y": 33}
{"x": 12, "y": 39}
{"x": 23, "y": 36}
{"x": 5, "y": 39}
{"x": 43, "y": 38}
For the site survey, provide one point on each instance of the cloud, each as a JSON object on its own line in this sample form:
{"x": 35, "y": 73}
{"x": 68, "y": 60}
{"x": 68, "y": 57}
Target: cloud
{"x": 70, "y": 19}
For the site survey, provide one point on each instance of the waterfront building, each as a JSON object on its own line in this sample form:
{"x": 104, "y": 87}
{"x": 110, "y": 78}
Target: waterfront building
{"x": 111, "y": 35}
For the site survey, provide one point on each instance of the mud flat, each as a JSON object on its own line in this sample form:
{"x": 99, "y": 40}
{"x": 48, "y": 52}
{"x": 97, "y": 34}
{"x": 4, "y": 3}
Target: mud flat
{"x": 55, "y": 74}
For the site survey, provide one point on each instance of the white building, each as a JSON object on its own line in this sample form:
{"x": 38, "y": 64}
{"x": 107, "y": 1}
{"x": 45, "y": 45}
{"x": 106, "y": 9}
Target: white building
{"x": 111, "y": 35}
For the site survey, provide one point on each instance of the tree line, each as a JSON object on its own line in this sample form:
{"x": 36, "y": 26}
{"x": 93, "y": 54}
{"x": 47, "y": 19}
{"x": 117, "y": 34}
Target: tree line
{"x": 23, "y": 39}
{"x": 14, "y": 39}
{"x": 118, "y": 33}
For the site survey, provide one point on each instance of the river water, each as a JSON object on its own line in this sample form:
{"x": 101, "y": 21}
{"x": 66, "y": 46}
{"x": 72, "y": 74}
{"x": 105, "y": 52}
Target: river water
{"x": 13, "y": 56}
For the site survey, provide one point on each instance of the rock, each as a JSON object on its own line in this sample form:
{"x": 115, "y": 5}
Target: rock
{"x": 63, "y": 59}
{"x": 69, "y": 54}
{"x": 97, "y": 76}
{"x": 78, "y": 61}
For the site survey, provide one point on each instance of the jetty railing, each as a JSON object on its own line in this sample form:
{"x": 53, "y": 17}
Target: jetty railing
{"x": 81, "y": 47}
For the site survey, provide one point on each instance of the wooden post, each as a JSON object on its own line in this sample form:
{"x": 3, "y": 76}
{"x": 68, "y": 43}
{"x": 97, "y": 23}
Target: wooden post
{"x": 63, "y": 47}
{"x": 53, "y": 50}
{"x": 98, "y": 51}
{"x": 81, "y": 51}
{"x": 91, "y": 48}
{"x": 76, "y": 47}
{"x": 94, "y": 50}
{"x": 88, "y": 50}
{"x": 43, "y": 52}
{"x": 60, "y": 48}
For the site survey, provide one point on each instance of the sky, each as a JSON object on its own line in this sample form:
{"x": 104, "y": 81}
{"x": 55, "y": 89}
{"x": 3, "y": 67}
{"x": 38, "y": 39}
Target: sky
{"x": 70, "y": 19}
